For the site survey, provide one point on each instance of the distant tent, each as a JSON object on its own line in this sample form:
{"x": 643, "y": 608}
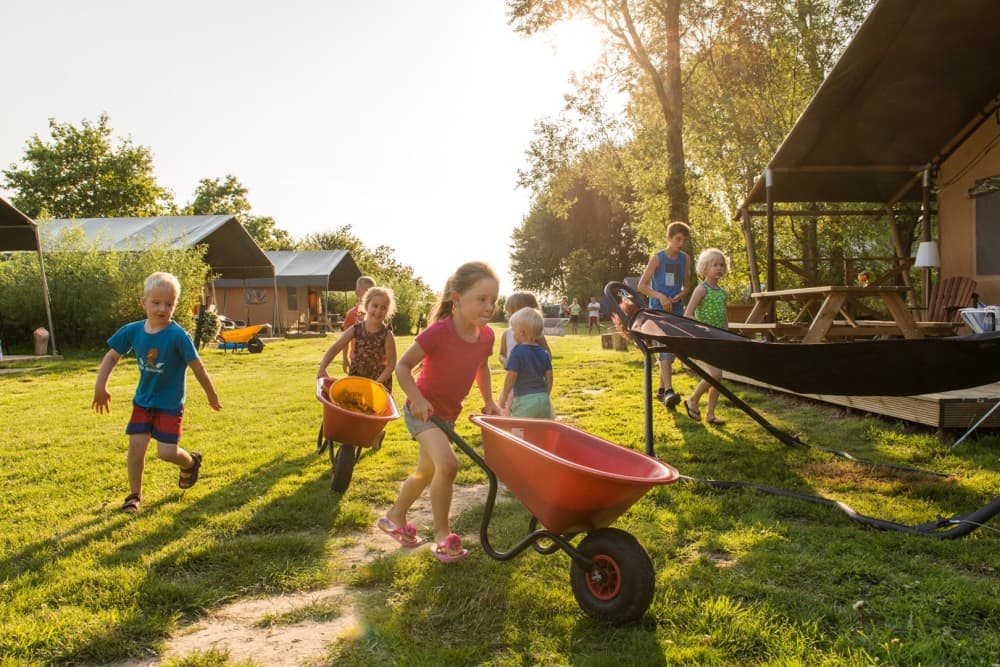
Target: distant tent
{"x": 19, "y": 232}
{"x": 315, "y": 270}
{"x": 332, "y": 270}
{"x": 231, "y": 251}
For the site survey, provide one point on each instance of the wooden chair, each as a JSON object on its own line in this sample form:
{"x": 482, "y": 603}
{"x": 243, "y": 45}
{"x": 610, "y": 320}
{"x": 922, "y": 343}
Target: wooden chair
{"x": 948, "y": 296}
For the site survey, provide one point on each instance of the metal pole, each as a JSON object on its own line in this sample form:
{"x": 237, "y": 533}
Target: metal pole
{"x": 45, "y": 290}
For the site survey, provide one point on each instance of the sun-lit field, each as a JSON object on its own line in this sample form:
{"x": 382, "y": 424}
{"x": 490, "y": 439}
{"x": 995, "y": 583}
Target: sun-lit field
{"x": 741, "y": 578}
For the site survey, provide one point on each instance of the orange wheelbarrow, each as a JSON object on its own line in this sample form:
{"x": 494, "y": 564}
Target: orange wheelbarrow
{"x": 244, "y": 338}
{"x": 572, "y": 482}
{"x": 356, "y": 411}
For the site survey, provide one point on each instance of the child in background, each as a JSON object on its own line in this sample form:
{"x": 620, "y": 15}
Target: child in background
{"x": 574, "y": 313}
{"x": 163, "y": 352}
{"x": 453, "y": 351}
{"x": 357, "y": 312}
{"x": 593, "y": 315}
{"x": 529, "y": 369}
{"x": 708, "y": 305}
{"x": 374, "y": 348}
{"x": 664, "y": 281}
{"x": 514, "y": 303}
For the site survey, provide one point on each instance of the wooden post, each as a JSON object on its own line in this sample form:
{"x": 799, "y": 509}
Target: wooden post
{"x": 925, "y": 210}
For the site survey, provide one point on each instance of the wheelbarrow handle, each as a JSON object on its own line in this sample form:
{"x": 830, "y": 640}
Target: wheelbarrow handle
{"x": 484, "y": 538}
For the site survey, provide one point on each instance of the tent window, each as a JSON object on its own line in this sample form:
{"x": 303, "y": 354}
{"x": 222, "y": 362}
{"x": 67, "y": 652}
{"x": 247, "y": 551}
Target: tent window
{"x": 988, "y": 234}
{"x": 293, "y": 298}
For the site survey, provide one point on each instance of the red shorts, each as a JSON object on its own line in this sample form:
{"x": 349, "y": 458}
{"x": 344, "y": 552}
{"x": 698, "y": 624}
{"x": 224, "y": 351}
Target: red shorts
{"x": 163, "y": 425}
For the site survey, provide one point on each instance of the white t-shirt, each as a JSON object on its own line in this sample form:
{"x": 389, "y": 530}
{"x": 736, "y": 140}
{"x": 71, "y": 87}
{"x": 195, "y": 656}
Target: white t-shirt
{"x": 594, "y": 309}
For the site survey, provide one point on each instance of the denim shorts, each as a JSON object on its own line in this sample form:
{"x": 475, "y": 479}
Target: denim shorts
{"x": 667, "y": 356}
{"x": 417, "y": 426}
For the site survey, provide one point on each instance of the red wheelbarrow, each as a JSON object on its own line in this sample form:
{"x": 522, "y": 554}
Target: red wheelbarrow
{"x": 572, "y": 482}
{"x": 355, "y": 429}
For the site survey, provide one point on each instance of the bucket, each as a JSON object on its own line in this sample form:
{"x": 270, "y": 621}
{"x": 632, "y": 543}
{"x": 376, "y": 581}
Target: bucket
{"x": 351, "y": 426}
{"x": 359, "y": 394}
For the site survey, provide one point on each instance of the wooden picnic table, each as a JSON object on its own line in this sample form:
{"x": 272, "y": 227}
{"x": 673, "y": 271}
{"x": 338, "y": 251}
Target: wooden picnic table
{"x": 824, "y": 312}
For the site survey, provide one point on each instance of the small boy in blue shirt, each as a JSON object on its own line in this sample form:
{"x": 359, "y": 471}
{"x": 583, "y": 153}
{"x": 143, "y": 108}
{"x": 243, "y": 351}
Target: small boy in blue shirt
{"x": 163, "y": 352}
{"x": 529, "y": 368}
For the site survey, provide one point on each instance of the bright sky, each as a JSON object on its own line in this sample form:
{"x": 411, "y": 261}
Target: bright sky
{"x": 407, "y": 120}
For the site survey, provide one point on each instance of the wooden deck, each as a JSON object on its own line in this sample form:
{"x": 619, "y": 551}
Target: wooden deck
{"x": 957, "y": 409}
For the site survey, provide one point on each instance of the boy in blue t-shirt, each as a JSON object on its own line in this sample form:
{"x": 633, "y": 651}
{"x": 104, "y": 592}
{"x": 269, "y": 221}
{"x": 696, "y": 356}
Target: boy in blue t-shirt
{"x": 529, "y": 368}
{"x": 665, "y": 283}
{"x": 163, "y": 352}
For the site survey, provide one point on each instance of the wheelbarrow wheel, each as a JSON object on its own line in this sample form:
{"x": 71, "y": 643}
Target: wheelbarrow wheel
{"x": 255, "y": 345}
{"x": 619, "y": 587}
{"x": 343, "y": 466}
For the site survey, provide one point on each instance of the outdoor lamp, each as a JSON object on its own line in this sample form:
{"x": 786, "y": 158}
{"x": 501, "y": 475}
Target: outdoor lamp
{"x": 927, "y": 256}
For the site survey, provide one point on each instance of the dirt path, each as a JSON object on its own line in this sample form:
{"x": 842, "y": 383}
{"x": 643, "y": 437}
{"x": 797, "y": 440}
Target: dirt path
{"x": 238, "y": 628}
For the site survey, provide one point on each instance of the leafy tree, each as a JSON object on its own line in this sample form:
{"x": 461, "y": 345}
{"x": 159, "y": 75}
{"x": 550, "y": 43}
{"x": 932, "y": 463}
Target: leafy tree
{"x": 78, "y": 173}
{"x": 646, "y": 35}
{"x": 229, "y": 197}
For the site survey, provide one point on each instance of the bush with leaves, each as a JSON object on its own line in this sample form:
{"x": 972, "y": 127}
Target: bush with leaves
{"x": 92, "y": 292}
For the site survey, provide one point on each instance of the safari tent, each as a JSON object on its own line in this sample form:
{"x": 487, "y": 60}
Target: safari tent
{"x": 230, "y": 250}
{"x": 302, "y": 280}
{"x": 18, "y": 232}
{"x": 908, "y": 120}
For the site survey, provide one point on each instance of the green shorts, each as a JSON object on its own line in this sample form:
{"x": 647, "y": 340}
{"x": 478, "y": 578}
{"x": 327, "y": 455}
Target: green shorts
{"x": 532, "y": 405}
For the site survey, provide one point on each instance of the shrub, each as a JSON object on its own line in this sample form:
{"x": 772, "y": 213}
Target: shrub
{"x": 92, "y": 292}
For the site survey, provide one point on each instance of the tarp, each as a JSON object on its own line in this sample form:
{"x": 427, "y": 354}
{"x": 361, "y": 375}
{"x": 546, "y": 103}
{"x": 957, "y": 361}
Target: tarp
{"x": 911, "y": 81}
{"x": 894, "y": 367}
{"x": 19, "y": 232}
{"x": 332, "y": 270}
{"x": 232, "y": 252}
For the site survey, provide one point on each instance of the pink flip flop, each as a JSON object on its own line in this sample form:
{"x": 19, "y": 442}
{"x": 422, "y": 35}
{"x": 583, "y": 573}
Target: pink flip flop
{"x": 406, "y": 536}
{"x": 450, "y": 550}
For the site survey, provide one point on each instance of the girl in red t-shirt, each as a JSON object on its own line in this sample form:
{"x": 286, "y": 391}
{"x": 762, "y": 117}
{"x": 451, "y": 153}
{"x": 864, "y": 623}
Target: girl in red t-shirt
{"x": 452, "y": 351}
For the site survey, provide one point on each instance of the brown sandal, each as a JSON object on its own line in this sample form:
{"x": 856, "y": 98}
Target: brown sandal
{"x": 190, "y": 475}
{"x": 131, "y": 504}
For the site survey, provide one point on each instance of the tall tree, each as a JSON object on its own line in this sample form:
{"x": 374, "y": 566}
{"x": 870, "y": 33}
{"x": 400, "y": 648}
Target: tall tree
{"x": 647, "y": 33}
{"x": 229, "y": 197}
{"x": 79, "y": 173}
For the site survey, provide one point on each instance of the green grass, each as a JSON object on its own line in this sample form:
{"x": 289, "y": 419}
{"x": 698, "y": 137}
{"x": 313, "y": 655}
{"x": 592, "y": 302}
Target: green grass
{"x": 741, "y": 578}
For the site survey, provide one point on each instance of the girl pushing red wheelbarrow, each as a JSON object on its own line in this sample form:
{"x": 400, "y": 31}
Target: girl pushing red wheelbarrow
{"x": 373, "y": 356}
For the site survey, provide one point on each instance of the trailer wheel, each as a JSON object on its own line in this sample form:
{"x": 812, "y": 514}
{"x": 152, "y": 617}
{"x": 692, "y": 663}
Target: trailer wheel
{"x": 619, "y": 587}
{"x": 255, "y": 345}
{"x": 343, "y": 466}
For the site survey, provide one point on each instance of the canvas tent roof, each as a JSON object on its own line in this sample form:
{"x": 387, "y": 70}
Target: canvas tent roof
{"x": 330, "y": 269}
{"x": 232, "y": 252}
{"x": 916, "y": 75}
{"x": 17, "y": 231}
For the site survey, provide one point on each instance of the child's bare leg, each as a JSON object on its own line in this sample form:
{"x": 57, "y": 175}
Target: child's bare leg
{"x": 173, "y": 453}
{"x": 137, "y": 445}
{"x": 427, "y": 473}
{"x": 695, "y": 396}
{"x": 445, "y": 469}
{"x": 713, "y": 394}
